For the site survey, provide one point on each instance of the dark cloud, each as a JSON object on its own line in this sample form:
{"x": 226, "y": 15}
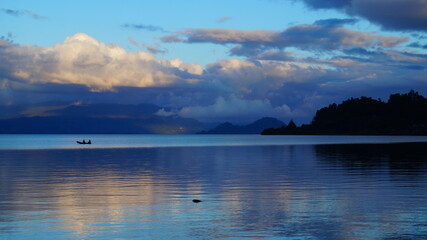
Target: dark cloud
{"x": 419, "y": 36}
{"x": 390, "y": 61}
{"x": 15, "y": 13}
{"x": 150, "y": 28}
{"x": 7, "y": 38}
{"x": 418, "y": 45}
{"x": 261, "y": 53}
{"x": 397, "y": 14}
{"x": 360, "y": 51}
{"x": 19, "y": 13}
{"x": 319, "y": 37}
{"x": 223, "y": 19}
{"x": 276, "y": 55}
{"x": 224, "y": 36}
{"x": 392, "y": 15}
{"x": 418, "y": 56}
{"x": 335, "y": 22}
{"x": 415, "y": 67}
{"x": 247, "y": 50}
{"x": 154, "y": 49}
{"x": 325, "y": 4}
{"x": 322, "y": 37}
{"x": 173, "y": 38}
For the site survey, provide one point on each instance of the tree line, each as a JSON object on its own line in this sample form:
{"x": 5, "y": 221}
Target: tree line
{"x": 402, "y": 114}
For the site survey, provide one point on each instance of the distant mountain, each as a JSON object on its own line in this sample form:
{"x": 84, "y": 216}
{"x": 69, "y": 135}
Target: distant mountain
{"x": 101, "y": 118}
{"x": 254, "y": 128}
{"x": 403, "y": 114}
{"x": 108, "y": 111}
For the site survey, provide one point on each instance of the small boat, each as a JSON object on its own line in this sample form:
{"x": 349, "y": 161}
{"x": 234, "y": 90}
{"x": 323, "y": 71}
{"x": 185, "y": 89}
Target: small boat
{"x": 84, "y": 142}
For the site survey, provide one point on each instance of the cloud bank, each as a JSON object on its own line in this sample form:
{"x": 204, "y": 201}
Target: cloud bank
{"x": 323, "y": 35}
{"x": 270, "y": 78}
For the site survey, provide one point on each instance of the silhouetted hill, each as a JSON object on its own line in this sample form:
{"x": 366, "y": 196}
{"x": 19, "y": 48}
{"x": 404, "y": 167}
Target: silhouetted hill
{"x": 403, "y": 114}
{"x": 101, "y": 118}
{"x": 253, "y": 128}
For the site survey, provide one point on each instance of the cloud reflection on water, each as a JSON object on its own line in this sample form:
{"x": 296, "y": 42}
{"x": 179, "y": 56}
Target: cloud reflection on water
{"x": 316, "y": 192}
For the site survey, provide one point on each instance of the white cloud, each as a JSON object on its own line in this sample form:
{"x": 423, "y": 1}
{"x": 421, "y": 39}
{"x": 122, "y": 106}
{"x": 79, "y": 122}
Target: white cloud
{"x": 257, "y": 78}
{"x": 83, "y": 60}
{"x": 163, "y": 113}
{"x": 187, "y": 67}
{"x": 233, "y": 108}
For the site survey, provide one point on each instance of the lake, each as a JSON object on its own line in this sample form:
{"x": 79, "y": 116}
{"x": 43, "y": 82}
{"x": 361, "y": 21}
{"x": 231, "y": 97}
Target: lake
{"x": 251, "y": 187}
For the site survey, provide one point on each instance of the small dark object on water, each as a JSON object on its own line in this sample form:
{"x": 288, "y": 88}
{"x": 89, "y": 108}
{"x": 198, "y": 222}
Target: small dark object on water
{"x": 84, "y": 142}
{"x": 196, "y": 200}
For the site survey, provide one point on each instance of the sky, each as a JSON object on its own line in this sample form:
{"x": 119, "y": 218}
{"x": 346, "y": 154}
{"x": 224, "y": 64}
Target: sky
{"x": 234, "y": 60}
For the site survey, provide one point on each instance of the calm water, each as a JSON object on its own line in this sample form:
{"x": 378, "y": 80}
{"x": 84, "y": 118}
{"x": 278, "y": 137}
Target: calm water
{"x": 68, "y": 141}
{"x": 282, "y": 188}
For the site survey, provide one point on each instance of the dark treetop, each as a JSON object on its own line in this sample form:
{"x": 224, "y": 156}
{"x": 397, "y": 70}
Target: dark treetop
{"x": 402, "y": 114}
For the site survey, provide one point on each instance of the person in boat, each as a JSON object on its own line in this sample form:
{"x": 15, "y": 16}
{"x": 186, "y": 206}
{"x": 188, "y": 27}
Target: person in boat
{"x": 89, "y": 142}
{"x": 84, "y": 141}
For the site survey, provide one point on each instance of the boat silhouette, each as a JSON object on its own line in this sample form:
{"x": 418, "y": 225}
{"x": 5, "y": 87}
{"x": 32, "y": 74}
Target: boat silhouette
{"x": 83, "y": 142}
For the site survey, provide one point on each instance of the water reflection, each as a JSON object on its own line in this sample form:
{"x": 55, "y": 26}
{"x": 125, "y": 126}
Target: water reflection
{"x": 300, "y": 192}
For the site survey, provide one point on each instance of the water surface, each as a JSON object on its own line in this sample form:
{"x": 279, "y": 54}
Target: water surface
{"x": 289, "y": 191}
{"x": 68, "y": 141}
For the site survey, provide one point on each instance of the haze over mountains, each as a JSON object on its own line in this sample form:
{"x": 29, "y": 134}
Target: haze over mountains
{"x": 99, "y": 118}
{"x": 253, "y": 128}
{"x": 114, "y": 119}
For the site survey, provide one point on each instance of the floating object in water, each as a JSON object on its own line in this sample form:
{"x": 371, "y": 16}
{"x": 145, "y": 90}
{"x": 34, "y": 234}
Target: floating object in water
{"x": 196, "y": 200}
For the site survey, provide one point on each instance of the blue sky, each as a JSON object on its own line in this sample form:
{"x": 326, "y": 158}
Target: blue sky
{"x": 212, "y": 60}
{"x": 104, "y": 20}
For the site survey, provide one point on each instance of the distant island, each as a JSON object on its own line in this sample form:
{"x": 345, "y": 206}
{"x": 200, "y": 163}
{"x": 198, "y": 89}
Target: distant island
{"x": 402, "y": 114}
{"x": 253, "y": 128}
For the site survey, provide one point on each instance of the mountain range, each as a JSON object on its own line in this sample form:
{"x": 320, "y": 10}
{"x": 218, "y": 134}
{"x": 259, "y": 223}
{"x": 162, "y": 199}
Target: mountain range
{"x": 99, "y": 118}
{"x": 254, "y": 128}
{"x": 113, "y": 119}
